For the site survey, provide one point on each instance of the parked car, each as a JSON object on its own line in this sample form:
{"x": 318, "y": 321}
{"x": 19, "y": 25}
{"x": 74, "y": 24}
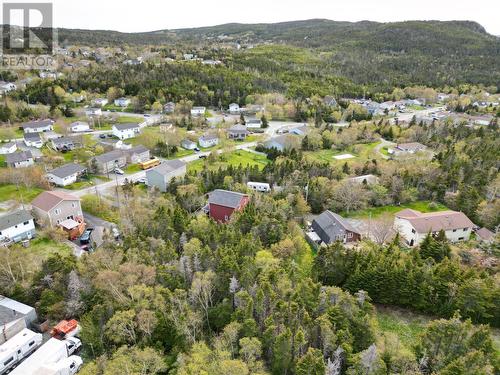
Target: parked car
{"x": 102, "y": 136}
{"x": 118, "y": 171}
{"x": 203, "y": 156}
{"x": 196, "y": 149}
{"x": 110, "y": 135}
{"x": 115, "y": 232}
{"x": 141, "y": 180}
{"x": 85, "y": 237}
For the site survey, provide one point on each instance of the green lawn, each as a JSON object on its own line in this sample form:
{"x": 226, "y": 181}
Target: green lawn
{"x": 361, "y": 152}
{"x": 43, "y": 247}
{"x": 100, "y": 208}
{"x": 132, "y": 168}
{"x": 80, "y": 185}
{"x": 9, "y": 191}
{"x": 422, "y": 206}
{"x": 234, "y": 158}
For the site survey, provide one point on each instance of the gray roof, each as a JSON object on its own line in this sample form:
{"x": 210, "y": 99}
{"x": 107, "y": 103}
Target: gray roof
{"x": 126, "y": 126}
{"x": 238, "y": 129}
{"x": 109, "y": 156}
{"x": 140, "y": 149}
{"x": 62, "y": 140}
{"x": 333, "y": 225}
{"x": 225, "y": 198}
{"x": 187, "y": 142}
{"x": 17, "y": 157}
{"x": 32, "y": 137}
{"x": 36, "y": 124}
{"x": 11, "y": 310}
{"x": 7, "y": 145}
{"x": 208, "y": 137}
{"x": 169, "y": 166}
{"x": 14, "y": 218}
{"x": 67, "y": 170}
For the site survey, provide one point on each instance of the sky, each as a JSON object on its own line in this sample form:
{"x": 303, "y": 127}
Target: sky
{"x": 150, "y": 15}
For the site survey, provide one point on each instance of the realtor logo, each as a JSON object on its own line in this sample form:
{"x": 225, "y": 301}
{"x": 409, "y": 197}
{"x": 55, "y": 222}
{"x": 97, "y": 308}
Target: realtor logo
{"x": 27, "y": 36}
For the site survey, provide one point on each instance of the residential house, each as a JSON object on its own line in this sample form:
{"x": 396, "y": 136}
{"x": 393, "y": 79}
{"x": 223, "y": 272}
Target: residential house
{"x": 16, "y": 226}
{"x": 126, "y": 131}
{"x": 253, "y": 109}
{"x": 100, "y": 102}
{"x": 329, "y": 101}
{"x": 161, "y": 175}
{"x": 79, "y": 127}
{"x": 413, "y": 226}
{"x": 33, "y": 140}
{"x": 169, "y": 107}
{"x": 198, "y": 111}
{"x": 20, "y": 159}
{"x": 8, "y": 148}
{"x": 67, "y": 174}
{"x": 14, "y": 317}
{"x": 238, "y": 132}
{"x": 283, "y": 142}
{"x": 122, "y": 102}
{"x": 47, "y": 75}
{"x": 367, "y": 179}
{"x": 331, "y": 227}
{"x": 234, "y": 108}
{"x": 208, "y": 140}
{"x": 39, "y": 126}
{"x": 253, "y": 122}
{"x": 222, "y": 204}
{"x": 93, "y": 111}
{"x": 188, "y": 145}
{"x": 259, "y": 186}
{"x": 64, "y": 144}
{"x": 485, "y": 235}
{"x": 409, "y": 148}
{"x": 137, "y": 154}
{"x": 107, "y": 162}
{"x": 110, "y": 144}
{"x": 55, "y": 207}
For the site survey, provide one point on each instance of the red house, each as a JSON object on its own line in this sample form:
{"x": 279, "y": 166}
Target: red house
{"x": 222, "y": 204}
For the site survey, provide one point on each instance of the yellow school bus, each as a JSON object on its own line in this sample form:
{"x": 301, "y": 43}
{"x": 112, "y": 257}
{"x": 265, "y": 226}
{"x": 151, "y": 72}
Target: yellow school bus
{"x": 149, "y": 163}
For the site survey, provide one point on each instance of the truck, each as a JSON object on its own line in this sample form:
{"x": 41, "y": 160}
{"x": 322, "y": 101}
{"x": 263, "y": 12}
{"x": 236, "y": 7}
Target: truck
{"x": 66, "y": 366}
{"x": 51, "y": 352}
{"x": 65, "y": 329}
{"x": 17, "y": 348}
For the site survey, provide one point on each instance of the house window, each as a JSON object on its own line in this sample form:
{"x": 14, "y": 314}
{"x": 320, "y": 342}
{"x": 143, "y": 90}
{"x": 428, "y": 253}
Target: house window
{"x": 465, "y": 229}
{"x": 454, "y": 230}
{"x": 460, "y": 238}
{"x": 73, "y": 205}
{"x": 226, "y": 217}
{"x": 413, "y": 230}
{"x": 349, "y": 235}
{"x": 57, "y": 211}
{"x": 26, "y": 223}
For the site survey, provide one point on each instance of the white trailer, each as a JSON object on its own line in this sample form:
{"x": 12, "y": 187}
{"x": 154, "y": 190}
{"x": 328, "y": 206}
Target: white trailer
{"x": 52, "y": 351}
{"x": 259, "y": 186}
{"x": 66, "y": 366}
{"x": 17, "y": 348}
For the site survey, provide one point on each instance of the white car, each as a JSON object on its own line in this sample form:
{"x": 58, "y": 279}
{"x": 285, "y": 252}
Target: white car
{"x": 119, "y": 171}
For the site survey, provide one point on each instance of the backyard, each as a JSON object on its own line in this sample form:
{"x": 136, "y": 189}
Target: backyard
{"x": 361, "y": 152}
{"x": 234, "y": 158}
{"x": 19, "y": 193}
{"x": 373, "y": 212}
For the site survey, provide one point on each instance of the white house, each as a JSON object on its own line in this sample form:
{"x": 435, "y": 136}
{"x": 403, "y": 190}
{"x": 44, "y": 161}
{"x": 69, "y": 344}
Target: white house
{"x": 20, "y": 159}
{"x": 259, "y": 186}
{"x": 126, "y": 131}
{"x": 33, "y": 140}
{"x": 66, "y": 175}
{"x": 7, "y": 86}
{"x": 234, "y": 108}
{"x": 40, "y": 126}
{"x": 413, "y": 226}
{"x": 188, "y": 144}
{"x": 79, "y": 126}
{"x": 253, "y": 122}
{"x": 16, "y": 226}
{"x": 100, "y": 102}
{"x": 198, "y": 111}
{"x": 122, "y": 102}
{"x": 8, "y": 148}
{"x": 208, "y": 140}
{"x": 93, "y": 111}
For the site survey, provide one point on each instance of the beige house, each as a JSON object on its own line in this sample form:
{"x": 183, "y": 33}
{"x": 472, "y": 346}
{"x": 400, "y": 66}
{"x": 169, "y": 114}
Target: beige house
{"x": 54, "y": 207}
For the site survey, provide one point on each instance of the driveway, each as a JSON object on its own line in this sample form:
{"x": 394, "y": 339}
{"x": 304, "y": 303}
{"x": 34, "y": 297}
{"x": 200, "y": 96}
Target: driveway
{"x": 383, "y": 143}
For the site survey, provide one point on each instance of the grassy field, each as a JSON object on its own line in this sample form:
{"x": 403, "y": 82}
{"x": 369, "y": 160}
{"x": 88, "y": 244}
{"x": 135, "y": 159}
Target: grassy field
{"x": 361, "y": 152}
{"x": 99, "y": 208}
{"x": 43, "y": 247}
{"x": 422, "y": 206}
{"x": 132, "y": 168}
{"x": 234, "y": 158}
{"x": 12, "y": 192}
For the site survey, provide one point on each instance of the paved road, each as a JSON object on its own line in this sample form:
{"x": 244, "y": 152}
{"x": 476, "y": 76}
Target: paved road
{"x": 383, "y": 143}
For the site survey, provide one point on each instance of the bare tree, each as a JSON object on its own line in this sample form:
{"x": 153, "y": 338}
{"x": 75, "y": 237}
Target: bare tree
{"x": 381, "y": 229}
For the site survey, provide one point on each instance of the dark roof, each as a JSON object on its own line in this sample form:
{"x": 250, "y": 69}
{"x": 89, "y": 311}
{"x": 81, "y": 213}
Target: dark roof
{"x": 140, "y": 149}
{"x": 18, "y": 156}
{"x": 126, "y": 126}
{"x": 333, "y": 225}
{"x": 169, "y": 166}
{"x": 62, "y": 140}
{"x": 14, "y": 218}
{"x": 32, "y": 137}
{"x": 67, "y": 170}
{"x": 36, "y": 124}
{"x": 109, "y": 156}
{"x": 225, "y": 198}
